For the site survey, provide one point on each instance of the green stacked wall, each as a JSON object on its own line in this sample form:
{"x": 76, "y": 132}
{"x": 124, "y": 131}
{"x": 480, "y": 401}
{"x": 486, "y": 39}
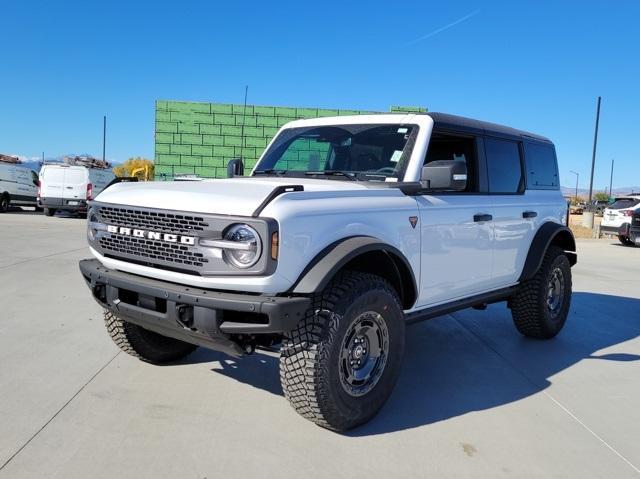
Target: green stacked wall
{"x": 200, "y": 138}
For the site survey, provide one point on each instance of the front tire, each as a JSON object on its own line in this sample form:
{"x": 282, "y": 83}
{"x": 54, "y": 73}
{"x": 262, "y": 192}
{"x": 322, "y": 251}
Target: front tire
{"x": 625, "y": 240}
{"x": 144, "y": 344}
{"x": 339, "y": 366}
{"x": 4, "y": 203}
{"x": 541, "y": 304}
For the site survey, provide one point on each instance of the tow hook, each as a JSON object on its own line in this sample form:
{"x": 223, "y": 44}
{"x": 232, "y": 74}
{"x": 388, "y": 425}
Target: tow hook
{"x": 184, "y": 315}
{"x": 246, "y": 343}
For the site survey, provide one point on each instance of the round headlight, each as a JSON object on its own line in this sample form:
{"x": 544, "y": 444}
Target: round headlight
{"x": 248, "y": 250}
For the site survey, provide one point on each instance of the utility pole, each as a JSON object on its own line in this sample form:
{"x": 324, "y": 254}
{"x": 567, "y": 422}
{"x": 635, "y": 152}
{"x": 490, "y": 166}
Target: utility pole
{"x": 104, "y": 136}
{"x": 611, "y": 178}
{"x": 595, "y": 144}
{"x": 577, "y": 176}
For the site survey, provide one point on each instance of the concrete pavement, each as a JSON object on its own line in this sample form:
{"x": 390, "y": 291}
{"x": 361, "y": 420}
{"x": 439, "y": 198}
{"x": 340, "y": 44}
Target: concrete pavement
{"x": 475, "y": 399}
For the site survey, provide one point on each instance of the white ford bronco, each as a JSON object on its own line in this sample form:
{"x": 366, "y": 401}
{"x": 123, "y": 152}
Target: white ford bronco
{"x": 346, "y": 230}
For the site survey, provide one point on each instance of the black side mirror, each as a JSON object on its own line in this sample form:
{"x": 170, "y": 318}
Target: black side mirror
{"x": 235, "y": 167}
{"x": 444, "y": 175}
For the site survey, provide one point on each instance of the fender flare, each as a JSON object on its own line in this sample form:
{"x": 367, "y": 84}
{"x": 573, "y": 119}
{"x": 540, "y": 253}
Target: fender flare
{"x": 547, "y": 234}
{"x": 333, "y": 258}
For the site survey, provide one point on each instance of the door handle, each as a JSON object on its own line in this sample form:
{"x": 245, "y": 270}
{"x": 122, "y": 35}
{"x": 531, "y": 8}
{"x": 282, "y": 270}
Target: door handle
{"x": 529, "y": 214}
{"x": 69, "y": 187}
{"x": 482, "y": 217}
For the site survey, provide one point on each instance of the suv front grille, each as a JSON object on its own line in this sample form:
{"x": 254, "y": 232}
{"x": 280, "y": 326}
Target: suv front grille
{"x": 152, "y": 250}
{"x": 152, "y": 220}
{"x": 163, "y": 238}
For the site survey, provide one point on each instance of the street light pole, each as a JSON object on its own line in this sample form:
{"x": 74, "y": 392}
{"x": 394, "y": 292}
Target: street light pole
{"x": 611, "y": 178}
{"x": 577, "y": 176}
{"x": 595, "y": 144}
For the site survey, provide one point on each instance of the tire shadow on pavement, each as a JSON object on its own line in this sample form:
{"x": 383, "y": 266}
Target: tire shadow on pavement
{"x": 477, "y": 360}
{"x": 470, "y": 361}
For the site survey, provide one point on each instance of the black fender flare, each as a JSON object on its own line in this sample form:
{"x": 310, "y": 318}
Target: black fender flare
{"x": 333, "y": 258}
{"x": 549, "y": 233}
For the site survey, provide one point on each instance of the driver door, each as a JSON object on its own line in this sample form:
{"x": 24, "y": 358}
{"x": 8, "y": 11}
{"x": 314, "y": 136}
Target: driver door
{"x": 456, "y": 228}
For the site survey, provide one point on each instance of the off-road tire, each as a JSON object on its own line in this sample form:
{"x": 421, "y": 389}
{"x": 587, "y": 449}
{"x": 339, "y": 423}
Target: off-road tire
{"x": 310, "y": 354}
{"x": 625, "y": 240}
{"x": 530, "y": 310}
{"x": 4, "y": 203}
{"x": 144, "y": 344}
{"x": 49, "y": 211}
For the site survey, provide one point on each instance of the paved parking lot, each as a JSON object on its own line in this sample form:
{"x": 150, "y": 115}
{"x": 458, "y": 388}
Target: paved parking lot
{"x": 475, "y": 399}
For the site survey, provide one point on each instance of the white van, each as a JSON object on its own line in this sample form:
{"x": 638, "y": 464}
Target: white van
{"x": 67, "y": 187}
{"x": 18, "y": 186}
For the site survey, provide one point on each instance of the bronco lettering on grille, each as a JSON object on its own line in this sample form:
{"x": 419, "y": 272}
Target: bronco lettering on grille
{"x": 152, "y": 235}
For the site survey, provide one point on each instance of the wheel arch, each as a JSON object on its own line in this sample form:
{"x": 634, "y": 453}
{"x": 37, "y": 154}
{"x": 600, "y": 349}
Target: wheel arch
{"x": 360, "y": 253}
{"x": 548, "y": 234}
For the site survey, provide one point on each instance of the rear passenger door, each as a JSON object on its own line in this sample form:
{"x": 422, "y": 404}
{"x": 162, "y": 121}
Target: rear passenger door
{"x": 515, "y": 218}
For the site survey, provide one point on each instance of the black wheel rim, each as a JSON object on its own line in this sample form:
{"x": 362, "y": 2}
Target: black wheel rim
{"x": 555, "y": 292}
{"x": 364, "y": 353}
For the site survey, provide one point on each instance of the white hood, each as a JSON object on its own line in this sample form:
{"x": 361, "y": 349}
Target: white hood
{"x": 234, "y": 196}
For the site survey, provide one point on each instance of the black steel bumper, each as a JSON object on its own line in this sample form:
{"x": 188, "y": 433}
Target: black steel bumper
{"x": 634, "y": 234}
{"x": 203, "y": 317}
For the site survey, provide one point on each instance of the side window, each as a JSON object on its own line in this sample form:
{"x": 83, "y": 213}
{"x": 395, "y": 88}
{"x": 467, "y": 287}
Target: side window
{"x": 503, "y": 166}
{"x": 451, "y": 147}
{"x": 542, "y": 169}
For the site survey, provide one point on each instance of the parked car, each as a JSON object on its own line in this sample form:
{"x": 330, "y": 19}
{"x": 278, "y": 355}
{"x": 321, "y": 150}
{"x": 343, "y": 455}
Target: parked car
{"x": 598, "y": 206}
{"x": 18, "y": 186}
{"x": 69, "y": 187}
{"x": 347, "y": 229}
{"x": 634, "y": 228}
{"x": 578, "y": 208}
{"x": 617, "y": 217}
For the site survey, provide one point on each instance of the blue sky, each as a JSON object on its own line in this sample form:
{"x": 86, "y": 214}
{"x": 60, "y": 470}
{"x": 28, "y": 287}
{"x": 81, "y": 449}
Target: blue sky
{"x": 537, "y": 65}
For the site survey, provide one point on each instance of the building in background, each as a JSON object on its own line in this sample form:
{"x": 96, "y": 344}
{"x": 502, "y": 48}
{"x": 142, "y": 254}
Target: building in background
{"x": 200, "y": 138}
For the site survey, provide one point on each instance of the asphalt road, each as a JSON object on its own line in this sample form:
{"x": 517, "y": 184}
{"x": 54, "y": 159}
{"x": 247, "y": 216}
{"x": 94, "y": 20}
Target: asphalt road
{"x": 475, "y": 399}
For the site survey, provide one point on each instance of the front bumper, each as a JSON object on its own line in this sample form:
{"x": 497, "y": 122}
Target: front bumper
{"x": 208, "y": 318}
{"x": 63, "y": 204}
{"x": 634, "y": 234}
{"x": 615, "y": 230}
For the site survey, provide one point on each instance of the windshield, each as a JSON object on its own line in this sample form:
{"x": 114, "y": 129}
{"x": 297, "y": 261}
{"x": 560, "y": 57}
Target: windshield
{"x": 356, "y": 152}
{"x": 622, "y": 203}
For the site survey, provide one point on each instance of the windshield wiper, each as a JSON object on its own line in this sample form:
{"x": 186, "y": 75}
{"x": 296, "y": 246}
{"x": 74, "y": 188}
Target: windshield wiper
{"x": 269, "y": 172}
{"x": 351, "y": 176}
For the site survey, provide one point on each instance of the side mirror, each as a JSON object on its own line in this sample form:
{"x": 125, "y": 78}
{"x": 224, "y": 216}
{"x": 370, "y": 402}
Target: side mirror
{"x": 235, "y": 167}
{"x": 444, "y": 175}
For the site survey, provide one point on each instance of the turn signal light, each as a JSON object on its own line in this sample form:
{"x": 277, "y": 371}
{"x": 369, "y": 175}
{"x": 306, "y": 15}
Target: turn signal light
{"x": 274, "y": 245}
{"x": 627, "y": 212}
{"x": 89, "y": 191}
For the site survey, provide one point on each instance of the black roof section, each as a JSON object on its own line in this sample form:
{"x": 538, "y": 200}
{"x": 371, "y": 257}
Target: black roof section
{"x": 447, "y": 121}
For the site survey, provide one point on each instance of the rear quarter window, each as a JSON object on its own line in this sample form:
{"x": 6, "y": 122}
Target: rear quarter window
{"x": 541, "y": 166}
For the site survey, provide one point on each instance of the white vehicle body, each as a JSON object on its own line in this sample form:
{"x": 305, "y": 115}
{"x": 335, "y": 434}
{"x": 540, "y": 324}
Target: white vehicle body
{"x": 18, "y": 184}
{"x": 451, "y": 255}
{"x": 617, "y": 217}
{"x": 67, "y": 186}
{"x": 347, "y": 229}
